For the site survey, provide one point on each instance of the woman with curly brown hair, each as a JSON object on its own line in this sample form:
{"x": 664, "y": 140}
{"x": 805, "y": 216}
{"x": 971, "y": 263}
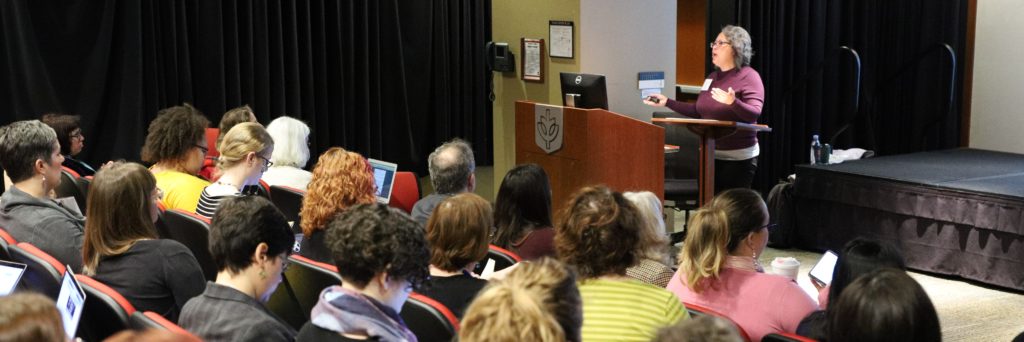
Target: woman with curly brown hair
{"x": 176, "y": 146}
{"x": 341, "y": 179}
{"x": 599, "y": 233}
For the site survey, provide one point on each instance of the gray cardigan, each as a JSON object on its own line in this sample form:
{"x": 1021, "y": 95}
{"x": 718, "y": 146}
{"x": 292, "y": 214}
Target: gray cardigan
{"x": 45, "y": 224}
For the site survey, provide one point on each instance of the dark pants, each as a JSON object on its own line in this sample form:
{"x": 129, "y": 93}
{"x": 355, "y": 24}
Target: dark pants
{"x": 731, "y": 174}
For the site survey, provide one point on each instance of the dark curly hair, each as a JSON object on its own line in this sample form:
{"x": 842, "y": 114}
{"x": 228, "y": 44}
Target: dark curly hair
{"x": 368, "y": 239}
{"x": 240, "y": 224}
{"x": 174, "y": 132}
{"x": 598, "y": 232}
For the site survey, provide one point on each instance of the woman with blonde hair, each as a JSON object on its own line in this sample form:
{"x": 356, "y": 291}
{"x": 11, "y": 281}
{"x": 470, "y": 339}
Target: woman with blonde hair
{"x": 652, "y": 268}
{"x": 538, "y": 301}
{"x": 121, "y": 248}
{"x": 291, "y": 152}
{"x": 719, "y": 268}
{"x": 599, "y": 234}
{"x": 341, "y": 179}
{"x": 458, "y": 235}
{"x": 244, "y": 156}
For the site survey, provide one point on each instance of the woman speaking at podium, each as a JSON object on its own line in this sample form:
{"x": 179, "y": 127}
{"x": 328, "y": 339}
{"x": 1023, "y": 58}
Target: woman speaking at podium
{"x": 733, "y": 92}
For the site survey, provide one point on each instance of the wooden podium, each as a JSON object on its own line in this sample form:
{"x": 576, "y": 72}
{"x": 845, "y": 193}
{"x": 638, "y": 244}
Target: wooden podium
{"x": 709, "y": 130}
{"x": 598, "y": 147}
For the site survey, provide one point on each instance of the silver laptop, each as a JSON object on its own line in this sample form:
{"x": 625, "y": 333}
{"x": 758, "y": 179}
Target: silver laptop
{"x": 70, "y": 302}
{"x": 10, "y": 275}
{"x": 384, "y": 175}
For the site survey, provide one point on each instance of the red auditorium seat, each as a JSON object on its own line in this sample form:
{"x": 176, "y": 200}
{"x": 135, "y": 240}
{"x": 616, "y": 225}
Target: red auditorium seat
{"x": 105, "y": 313}
{"x": 69, "y": 188}
{"x": 429, "y": 319}
{"x": 193, "y": 231}
{"x": 699, "y": 310}
{"x": 503, "y": 259}
{"x": 153, "y": 320}
{"x": 405, "y": 191}
{"x": 6, "y": 240}
{"x": 300, "y": 289}
{"x": 43, "y": 273}
{"x": 786, "y": 337}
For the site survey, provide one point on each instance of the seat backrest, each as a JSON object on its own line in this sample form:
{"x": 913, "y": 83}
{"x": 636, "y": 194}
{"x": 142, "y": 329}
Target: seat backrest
{"x": 43, "y": 273}
{"x": 503, "y": 259}
{"x": 405, "y": 191}
{"x": 193, "y": 231}
{"x": 152, "y": 320}
{"x": 696, "y": 310}
{"x": 211, "y": 142}
{"x": 5, "y": 241}
{"x": 105, "y": 312}
{"x": 683, "y": 164}
{"x": 786, "y": 337}
{"x": 71, "y": 172}
{"x": 69, "y": 188}
{"x": 429, "y": 319}
{"x": 288, "y": 200}
{"x": 300, "y": 289}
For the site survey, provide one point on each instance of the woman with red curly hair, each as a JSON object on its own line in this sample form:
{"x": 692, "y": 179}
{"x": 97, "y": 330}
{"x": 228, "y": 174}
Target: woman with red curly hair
{"x": 341, "y": 179}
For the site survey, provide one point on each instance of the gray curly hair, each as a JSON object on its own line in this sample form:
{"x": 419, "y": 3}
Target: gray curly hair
{"x": 741, "y": 45}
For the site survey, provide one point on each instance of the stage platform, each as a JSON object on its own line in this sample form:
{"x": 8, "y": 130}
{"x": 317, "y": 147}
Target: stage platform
{"x": 955, "y": 212}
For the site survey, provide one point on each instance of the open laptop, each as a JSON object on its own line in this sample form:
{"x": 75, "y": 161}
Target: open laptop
{"x": 10, "y": 275}
{"x": 384, "y": 175}
{"x": 70, "y": 302}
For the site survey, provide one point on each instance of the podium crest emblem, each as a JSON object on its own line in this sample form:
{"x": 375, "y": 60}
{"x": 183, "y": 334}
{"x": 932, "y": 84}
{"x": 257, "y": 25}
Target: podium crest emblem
{"x": 548, "y": 134}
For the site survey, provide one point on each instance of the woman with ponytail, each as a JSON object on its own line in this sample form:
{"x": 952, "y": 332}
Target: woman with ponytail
{"x": 719, "y": 269}
{"x": 538, "y": 301}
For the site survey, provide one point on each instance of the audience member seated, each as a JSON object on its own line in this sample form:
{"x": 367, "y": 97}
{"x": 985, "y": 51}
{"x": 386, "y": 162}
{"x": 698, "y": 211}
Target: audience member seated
{"x": 341, "y": 179}
{"x": 458, "y": 235}
{"x": 599, "y": 234}
{"x": 705, "y": 328}
{"x": 382, "y": 257}
{"x": 250, "y": 242}
{"x": 522, "y": 213}
{"x": 652, "y": 268}
{"x": 228, "y": 121}
{"x": 857, "y": 258}
{"x": 69, "y": 134}
{"x": 244, "y": 155}
{"x": 30, "y": 317}
{"x": 121, "y": 247}
{"x": 30, "y": 154}
{"x": 451, "y": 168}
{"x": 883, "y": 305}
{"x": 719, "y": 269}
{"x": 291, "y": 152}
{"x": 537, "y": 301}
{"x": 176, "y": 146}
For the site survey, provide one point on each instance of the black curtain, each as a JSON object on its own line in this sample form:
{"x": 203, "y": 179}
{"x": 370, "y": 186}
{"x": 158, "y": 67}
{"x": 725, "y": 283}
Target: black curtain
{"x": 390, "y": 79}
{"x": 810, "y": 84}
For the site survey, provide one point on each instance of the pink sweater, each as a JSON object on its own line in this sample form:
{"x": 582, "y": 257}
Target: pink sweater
{"x": 759, "y": 303}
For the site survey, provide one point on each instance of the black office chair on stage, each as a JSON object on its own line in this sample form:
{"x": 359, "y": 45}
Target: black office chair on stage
{"x": 681, "y": 171}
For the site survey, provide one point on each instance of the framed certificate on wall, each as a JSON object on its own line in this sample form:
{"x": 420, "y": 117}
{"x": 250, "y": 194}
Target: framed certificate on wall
{"x": 560, "y": 35}
{"x": 533, "y": 60}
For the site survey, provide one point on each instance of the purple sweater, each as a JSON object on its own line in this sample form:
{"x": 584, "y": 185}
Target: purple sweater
{"x": 749, "y": 99}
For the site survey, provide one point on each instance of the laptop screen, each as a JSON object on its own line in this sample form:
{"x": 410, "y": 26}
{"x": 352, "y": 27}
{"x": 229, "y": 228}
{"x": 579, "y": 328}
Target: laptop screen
{"x": 10, "y": 274}
{"x": 384, "y": 175}
{"x": 70, "y": 302}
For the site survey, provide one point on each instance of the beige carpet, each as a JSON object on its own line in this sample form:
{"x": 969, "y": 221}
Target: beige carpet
{"x": 967, "y": 312}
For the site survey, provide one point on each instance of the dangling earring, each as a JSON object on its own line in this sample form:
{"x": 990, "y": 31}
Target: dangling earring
{"x": 263, "y": 273}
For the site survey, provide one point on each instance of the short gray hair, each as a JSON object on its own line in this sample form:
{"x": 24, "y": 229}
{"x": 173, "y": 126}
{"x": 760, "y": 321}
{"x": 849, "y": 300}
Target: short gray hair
{"x": 21, "y": 144}
{"x": 291, "y": 138}
{"x": 450, "y": 166}
{"x": 741, "y": 45}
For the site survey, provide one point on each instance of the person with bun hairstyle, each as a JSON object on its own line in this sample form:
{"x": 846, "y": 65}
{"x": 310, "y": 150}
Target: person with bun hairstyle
{"x": 719, "y": 269}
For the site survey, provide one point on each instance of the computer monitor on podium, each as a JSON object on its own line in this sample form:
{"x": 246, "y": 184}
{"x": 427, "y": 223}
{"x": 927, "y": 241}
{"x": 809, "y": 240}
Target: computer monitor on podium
{"x": 584, "y": 91}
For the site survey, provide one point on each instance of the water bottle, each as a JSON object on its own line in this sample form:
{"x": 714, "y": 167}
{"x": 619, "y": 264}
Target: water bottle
{"x": 815, "y": 150}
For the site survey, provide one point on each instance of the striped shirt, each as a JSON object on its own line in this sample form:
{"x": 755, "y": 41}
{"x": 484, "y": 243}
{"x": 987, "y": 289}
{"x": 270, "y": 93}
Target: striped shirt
{"x": 627, "y": 310}
{"x": 210, "y": 199}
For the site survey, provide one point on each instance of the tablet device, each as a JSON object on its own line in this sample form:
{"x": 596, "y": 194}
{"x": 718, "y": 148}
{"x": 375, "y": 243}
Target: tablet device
{"x": 384, "y": 176}
{"x": 822, "y": 271}
{"x": 10, "y": 274}
{"x": 70, "y": 302}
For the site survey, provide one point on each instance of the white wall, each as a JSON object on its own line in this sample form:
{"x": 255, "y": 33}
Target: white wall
{"x": 621, "y": 38}
{"x": 997, "y": 100}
